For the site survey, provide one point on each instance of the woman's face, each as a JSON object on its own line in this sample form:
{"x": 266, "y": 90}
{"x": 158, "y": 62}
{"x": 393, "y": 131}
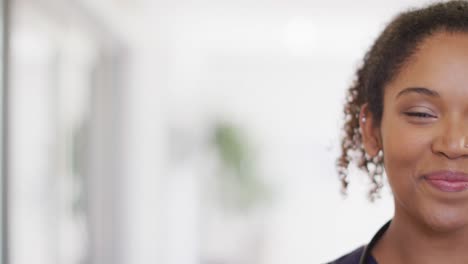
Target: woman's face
{"x": 424, "y": 133}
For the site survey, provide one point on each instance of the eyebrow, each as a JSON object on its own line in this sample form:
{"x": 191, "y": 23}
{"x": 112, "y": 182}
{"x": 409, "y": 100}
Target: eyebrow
{"x": 419, "y": 90}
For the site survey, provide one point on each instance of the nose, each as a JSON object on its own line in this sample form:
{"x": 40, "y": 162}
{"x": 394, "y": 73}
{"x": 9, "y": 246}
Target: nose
{"x": 452, "y": 142}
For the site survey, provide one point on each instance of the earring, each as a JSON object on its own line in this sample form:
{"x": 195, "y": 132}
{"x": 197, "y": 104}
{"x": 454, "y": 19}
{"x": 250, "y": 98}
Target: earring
{"x": 363, "y": 119}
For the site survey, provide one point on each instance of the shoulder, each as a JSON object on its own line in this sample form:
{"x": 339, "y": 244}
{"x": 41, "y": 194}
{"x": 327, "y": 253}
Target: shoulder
{"x": 350, "y": 258}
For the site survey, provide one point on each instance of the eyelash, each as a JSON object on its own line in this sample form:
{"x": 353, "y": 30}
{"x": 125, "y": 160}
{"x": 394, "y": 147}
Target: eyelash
{"x": 419, "y": 115}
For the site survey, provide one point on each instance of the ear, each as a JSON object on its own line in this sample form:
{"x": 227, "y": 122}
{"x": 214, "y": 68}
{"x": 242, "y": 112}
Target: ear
{"x": 370, "y": 131}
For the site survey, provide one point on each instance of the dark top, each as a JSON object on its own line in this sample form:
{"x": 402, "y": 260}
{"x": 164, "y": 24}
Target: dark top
{"x": 362, "y": 255}
{"x": 354, "y": 257}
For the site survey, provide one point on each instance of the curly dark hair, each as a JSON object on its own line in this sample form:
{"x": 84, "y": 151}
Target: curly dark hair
{"x": 391, "y": 50}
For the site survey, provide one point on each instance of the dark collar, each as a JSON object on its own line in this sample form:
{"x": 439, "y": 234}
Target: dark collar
{"x": 367, "y": 251}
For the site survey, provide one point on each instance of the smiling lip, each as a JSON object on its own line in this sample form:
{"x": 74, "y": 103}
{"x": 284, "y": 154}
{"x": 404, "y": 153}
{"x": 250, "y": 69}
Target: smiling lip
{"x": 448, "y": 181}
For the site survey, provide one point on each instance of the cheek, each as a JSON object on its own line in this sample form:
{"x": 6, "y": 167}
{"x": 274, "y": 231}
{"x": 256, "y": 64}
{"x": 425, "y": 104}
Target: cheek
{"x": 405, "y": 148}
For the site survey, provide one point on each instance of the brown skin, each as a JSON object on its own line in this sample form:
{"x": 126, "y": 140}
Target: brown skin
{"x": 429, "y": 225}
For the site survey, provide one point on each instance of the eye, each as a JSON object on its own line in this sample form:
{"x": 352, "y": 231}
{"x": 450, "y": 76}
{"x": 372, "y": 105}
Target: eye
{"x": 420, "y": 114}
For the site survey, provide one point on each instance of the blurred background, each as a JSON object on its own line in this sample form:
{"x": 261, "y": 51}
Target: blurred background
{"x": 181, "y": 132}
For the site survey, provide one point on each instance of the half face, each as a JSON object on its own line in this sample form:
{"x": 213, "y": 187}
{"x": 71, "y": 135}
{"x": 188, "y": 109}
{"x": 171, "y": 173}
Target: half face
{"x": 424, "y": 133}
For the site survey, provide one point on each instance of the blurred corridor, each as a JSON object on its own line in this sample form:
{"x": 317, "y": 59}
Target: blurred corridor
{"x": 181, "y": 132}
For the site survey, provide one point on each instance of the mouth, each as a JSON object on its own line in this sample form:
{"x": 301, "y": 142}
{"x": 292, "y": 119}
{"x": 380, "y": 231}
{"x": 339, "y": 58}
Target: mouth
{"x": 447, "y": 181}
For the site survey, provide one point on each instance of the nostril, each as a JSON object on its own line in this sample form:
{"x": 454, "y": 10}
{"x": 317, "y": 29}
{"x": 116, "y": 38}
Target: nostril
{"x": 450, "y": 147}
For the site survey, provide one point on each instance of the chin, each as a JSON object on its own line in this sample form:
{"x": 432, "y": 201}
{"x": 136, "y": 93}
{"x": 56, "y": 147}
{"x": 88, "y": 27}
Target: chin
{"x": 447, "y": 220}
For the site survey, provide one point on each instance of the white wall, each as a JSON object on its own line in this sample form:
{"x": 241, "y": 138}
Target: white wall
{"x": 279, "y": 70}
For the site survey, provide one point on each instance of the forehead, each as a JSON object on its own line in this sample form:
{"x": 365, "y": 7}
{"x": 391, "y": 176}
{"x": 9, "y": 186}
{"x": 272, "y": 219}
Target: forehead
{"x": 439, "y": 63}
